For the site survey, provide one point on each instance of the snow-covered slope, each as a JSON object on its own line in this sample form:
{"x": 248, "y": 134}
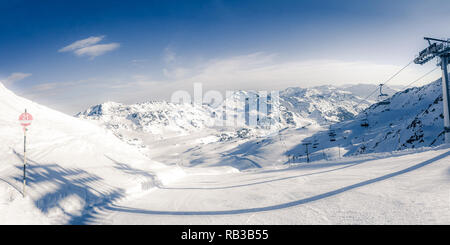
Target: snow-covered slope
{"x": 74, "y": 165}
{"x": 410, "y": 187}
{"x": 409, "y": 119}
{"x": 414, "y": 118}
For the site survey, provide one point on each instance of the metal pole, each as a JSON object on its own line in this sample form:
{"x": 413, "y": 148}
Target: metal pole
{"x": 307, "y": 153}
{"x": 339, "y": 147}
{"x": 24, "y": 160}
{"x": 324, "y": 155}
{"x": 445, "y": 97}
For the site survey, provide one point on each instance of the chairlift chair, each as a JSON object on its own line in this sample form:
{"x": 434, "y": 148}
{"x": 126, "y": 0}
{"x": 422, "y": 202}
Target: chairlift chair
{"x": 382, "y": 97}
{"x": 365, "y": 123}
{"x": 332, "y": 135}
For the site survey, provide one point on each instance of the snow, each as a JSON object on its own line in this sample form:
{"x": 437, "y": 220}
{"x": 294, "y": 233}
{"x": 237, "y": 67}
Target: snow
{"x": 160, "y": 163}
{"x": 73, "y": 164}
{"x": 388, "y": 189}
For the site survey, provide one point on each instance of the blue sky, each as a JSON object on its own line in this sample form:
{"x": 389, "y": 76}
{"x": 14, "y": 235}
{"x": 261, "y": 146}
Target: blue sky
{"x": 130, "y": 51}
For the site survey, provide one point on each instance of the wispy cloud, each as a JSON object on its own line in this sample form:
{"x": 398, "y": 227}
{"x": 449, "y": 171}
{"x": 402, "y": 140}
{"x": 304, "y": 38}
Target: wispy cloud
{"x": 96, "y": 50}
{"x": 82, "y": 43}
{"x": 172, "y": 71}
{"x": 15, "y": 77}
{"x": 176, "y": 73}
{"x": 90, "y": 47}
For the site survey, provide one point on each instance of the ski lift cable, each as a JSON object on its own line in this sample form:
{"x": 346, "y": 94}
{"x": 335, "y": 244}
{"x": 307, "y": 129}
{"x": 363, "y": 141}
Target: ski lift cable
{"x": 365, "y": 120}
{"x": 382, "y": 84}
{"x": 428, "y": 73}
{"x": 397, "y": 73}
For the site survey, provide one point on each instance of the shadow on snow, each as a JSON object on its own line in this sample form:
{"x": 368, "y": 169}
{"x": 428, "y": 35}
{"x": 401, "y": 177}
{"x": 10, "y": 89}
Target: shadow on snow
{"x": 73, "y": 181}
{"x": 284, "y": 205}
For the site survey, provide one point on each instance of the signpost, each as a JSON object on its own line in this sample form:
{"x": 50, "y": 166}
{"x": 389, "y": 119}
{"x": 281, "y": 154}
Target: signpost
{"x": 25, "y": 120}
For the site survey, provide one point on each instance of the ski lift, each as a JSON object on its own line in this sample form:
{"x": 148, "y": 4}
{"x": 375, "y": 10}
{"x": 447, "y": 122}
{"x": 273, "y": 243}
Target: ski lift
{"x": 365, "y": 121}
{"x": 332, "y": 135}
{"x": 315, "y": 145}
{"x": 382, "y": 98}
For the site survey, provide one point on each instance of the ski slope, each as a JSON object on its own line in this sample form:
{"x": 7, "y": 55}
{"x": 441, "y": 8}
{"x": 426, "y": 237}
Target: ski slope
{"x": 401, "y": 188}
{"x": 72, "y": 165}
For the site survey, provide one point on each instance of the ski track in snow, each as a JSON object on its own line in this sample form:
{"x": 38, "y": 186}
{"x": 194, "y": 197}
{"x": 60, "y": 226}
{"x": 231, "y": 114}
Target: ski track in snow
{"x": 158, "y": 198}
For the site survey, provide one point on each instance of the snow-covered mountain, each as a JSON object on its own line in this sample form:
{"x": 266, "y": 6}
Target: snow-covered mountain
{"x": 158, "y": 118}
{"x": 323, "y": 104}
{"x": 298, "y": 107}
{"x": 409, "y": 119}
